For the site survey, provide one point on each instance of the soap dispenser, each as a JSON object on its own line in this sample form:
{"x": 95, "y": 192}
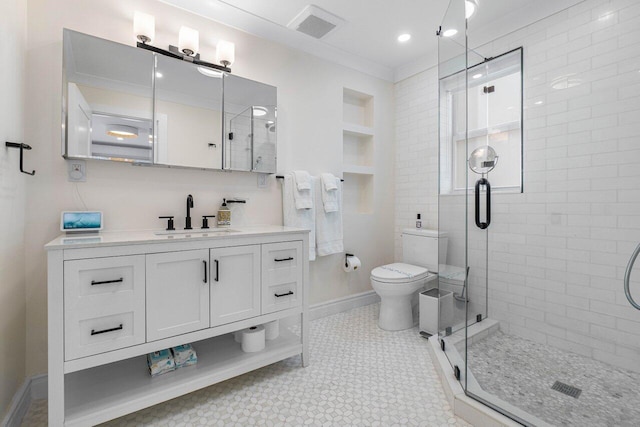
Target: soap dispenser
{"x": 224, "y": 215}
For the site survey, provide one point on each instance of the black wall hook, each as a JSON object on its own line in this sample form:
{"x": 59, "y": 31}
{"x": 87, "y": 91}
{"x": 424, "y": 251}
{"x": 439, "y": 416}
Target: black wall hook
{"x": 22, "y": 147}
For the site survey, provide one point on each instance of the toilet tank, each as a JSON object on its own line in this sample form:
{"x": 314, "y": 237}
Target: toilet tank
{"x": 423, "y": 247}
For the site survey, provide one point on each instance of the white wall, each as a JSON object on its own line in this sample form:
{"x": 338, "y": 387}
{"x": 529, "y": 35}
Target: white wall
{"x": 416, "y": 156}
{"x": 557, "y": 253}
{"x": 309, "y": 137}
{"x": 12, "y": 200}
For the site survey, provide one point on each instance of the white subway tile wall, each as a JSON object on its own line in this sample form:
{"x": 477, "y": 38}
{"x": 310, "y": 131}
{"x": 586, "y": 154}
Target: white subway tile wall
{"x": 557, "y": 252}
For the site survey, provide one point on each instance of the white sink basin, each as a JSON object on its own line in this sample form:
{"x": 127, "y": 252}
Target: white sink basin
{"x": 195, "y": 233}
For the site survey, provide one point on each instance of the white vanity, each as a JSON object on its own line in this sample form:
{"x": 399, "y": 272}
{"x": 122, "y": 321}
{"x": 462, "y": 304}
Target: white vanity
{"x": 114, "y": 297}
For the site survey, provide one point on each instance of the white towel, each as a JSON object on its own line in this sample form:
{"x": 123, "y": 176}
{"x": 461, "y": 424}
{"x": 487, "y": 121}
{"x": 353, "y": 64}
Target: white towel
{"x": 328, "y": 224}
{"x": 329, "y": 192}
{"x": 302, "y": 191}
{"x": 300, "y": 218}
{"x": 303, "y": 180}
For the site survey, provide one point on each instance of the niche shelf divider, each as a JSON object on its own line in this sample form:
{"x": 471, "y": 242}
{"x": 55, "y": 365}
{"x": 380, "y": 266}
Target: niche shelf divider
{"x": 358, "y": 149}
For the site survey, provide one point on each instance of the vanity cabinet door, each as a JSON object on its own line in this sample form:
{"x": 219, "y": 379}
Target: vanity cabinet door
{"x": 235, "y": 284}
{"x": 177, "y": 293}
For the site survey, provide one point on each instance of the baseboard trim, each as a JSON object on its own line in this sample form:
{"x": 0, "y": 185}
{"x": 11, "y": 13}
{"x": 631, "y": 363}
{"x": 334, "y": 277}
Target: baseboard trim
{"x": 339, "y": 305}
{"x": 33, "y": 388}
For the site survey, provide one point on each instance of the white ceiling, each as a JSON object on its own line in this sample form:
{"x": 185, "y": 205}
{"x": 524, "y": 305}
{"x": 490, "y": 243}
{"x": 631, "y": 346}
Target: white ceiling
{"x": 368, "y": 39}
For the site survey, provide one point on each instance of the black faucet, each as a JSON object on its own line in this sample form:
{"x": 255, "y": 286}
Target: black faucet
{"x": 187, "y": 221}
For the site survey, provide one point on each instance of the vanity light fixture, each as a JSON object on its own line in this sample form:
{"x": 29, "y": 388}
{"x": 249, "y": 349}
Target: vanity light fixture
{"x": 144, "y": 27}
{"x": 225, "y": 53}
{"x": 188, "y": 41}
{"x": 259, "y": 111}
{"x": 122, "y": 131}
{"x": 188, "y": 44}
{"x": 402, "y": 38}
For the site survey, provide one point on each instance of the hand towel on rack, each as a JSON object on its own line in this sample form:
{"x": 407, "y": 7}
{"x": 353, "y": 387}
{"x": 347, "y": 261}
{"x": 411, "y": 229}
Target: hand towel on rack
{"x": 302, "y": 190}
{"x": 303, "y": 180}
{"x": 329, "y": 190}
{"x": 328, "y": 224}
{"x": 301, "y": 218}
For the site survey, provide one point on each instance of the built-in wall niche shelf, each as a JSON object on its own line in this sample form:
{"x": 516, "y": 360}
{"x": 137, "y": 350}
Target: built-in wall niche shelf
{"x": 358, "y": 193}
{"x": 357, "y": 108}
{"x": 358, "y": 148}
{"x": 357, "y": 169}
{"x": 357, "y": 131}
{"x": 104, "y": 392}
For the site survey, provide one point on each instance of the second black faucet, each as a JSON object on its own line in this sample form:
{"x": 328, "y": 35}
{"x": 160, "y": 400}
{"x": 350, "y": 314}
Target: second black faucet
{"x": 187, "y": 221}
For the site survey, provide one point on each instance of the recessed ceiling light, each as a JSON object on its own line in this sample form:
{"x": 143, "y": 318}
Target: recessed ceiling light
{"x": 450, "y": 32}
{"x": 259, "y": 111}
{"x": 158, "y": 74}
{"x": 122, "y": 131}
{"x": 404, "y": 37}
{"x": 210, "y": 72}
{"x": 477, "y": 76}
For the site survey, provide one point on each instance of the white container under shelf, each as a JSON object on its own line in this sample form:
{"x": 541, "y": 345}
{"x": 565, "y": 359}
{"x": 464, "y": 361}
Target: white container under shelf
{"x": 431, "y": 302}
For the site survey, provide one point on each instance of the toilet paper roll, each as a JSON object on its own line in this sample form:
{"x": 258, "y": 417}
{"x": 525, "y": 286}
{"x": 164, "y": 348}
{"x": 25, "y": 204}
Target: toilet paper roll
{"x": 253, "y": 339}
{"x": 351, "y": 263}
{"x": 272, "y": 330}
{"x": 237, "y": 336}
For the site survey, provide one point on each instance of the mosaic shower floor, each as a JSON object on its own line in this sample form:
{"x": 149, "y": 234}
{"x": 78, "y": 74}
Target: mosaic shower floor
{"x": 522, "y": 373}
{"x": 359, "y": 375}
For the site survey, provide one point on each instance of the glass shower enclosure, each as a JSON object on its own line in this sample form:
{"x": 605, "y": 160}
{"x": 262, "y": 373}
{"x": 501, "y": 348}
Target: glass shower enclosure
{"x": 538, "y": 211}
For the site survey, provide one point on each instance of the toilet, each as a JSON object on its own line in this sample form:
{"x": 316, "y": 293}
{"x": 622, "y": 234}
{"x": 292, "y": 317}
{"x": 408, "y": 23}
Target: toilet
{"x": 398, "y": 284}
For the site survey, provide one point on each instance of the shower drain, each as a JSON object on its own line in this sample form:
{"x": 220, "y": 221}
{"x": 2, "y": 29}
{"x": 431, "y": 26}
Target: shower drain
{"x": 566, "y": 389}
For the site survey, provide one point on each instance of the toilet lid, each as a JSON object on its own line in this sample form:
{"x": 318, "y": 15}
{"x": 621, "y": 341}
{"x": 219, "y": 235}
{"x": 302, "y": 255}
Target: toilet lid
{"x": 399, "y": 272}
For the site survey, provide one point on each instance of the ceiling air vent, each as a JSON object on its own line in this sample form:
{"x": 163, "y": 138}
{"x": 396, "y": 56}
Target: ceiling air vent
{"x": 315, "y": 22}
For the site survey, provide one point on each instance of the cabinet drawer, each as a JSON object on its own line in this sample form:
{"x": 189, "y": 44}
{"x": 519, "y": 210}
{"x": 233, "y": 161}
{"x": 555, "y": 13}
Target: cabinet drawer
{"x": 281, "y": 276}
{"x": 104, "y": 305}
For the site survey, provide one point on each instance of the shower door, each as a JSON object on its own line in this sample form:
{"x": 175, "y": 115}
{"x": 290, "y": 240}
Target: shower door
{"x": 480, "y": 140}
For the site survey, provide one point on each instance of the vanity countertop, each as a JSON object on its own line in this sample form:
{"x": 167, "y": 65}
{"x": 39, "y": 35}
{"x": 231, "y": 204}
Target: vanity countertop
{"x": 137, "y": 237}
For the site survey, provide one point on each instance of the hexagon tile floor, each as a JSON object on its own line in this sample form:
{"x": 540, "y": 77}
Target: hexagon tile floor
{"x": 359, "y": 375}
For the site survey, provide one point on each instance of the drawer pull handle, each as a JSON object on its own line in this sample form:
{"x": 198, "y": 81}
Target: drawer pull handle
{"x": 217, "y": 278}
{"x": 104, "y": 331}
{"x": 106, "y": 282}
{"x": 284, "y": 295}
{"x": 283, "y": 259}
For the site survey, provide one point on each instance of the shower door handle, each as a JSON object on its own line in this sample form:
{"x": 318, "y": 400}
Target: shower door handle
{"x": 627, "y": 277}
{"x": 483, "y": 225}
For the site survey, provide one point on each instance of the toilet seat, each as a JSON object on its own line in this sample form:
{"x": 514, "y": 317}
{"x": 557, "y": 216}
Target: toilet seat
{"x": 399, "y": 273}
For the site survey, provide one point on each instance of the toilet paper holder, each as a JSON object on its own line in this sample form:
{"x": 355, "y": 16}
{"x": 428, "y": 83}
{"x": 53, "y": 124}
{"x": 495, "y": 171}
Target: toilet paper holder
{"x": 346, "y": 257}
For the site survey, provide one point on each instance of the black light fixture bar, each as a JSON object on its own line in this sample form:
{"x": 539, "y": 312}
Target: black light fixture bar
{"x": 174, "y": 53}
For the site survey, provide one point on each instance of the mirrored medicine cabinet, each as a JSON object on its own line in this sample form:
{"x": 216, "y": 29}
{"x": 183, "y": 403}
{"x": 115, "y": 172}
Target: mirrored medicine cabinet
{"x": 125, "y": 104}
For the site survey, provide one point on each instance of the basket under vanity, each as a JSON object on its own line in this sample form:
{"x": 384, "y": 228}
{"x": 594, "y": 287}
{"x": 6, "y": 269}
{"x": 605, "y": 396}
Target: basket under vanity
{"x": 114, "y": 297}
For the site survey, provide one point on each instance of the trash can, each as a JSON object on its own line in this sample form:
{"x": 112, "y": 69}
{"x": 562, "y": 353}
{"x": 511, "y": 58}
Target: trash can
{"x": 431, "y": 302}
